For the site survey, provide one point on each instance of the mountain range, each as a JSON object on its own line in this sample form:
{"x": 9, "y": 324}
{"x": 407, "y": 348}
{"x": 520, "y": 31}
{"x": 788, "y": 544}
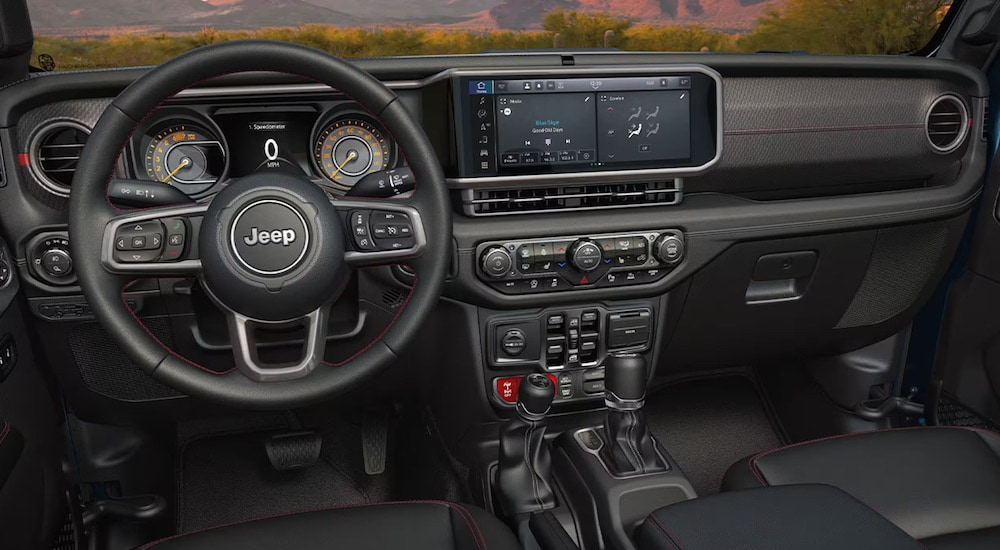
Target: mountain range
{"x": 97, "y": 16}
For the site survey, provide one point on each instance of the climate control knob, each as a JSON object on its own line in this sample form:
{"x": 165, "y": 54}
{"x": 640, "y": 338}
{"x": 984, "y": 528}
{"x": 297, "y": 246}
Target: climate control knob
{"x": 585, "y": 255}
{"x": 669, "y": 249}
{"x": 496, "y": 262}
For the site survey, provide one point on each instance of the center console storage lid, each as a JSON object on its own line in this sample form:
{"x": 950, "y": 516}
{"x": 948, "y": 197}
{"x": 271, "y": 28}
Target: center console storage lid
{"x": 819, "y": 517}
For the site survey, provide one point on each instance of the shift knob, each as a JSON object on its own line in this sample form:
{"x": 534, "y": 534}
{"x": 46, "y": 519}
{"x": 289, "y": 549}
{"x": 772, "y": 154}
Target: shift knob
{"x": 625, "y": 376}
{"x": 535, "y": 394}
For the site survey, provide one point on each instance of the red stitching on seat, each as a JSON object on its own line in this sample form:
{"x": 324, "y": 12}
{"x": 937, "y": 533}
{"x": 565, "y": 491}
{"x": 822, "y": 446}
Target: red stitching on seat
{"x": 462, "y": 511}
{"x": 5, "y": 431}
{"x": 667, "y": 535}
{"x": 755, "y": 469}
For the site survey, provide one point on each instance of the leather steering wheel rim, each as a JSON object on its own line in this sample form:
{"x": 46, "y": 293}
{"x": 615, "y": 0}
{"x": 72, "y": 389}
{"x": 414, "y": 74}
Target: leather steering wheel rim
{"x": 90, "y": 212}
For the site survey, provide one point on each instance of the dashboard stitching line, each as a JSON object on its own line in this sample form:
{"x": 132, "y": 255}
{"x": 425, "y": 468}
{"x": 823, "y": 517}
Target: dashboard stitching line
{"x": 817, "y": 129}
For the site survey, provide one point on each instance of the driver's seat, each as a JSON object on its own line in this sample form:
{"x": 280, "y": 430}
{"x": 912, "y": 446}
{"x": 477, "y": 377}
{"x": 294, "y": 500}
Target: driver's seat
{"x": 418, "y": 525}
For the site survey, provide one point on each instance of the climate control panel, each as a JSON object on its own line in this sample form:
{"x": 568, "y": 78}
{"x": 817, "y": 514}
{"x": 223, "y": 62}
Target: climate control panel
{"x": 578, "y": 262}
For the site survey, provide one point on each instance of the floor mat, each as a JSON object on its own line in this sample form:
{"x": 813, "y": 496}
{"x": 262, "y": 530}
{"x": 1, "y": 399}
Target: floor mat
{"x": 708, "y": 424}
{"x": 226, "y": 477}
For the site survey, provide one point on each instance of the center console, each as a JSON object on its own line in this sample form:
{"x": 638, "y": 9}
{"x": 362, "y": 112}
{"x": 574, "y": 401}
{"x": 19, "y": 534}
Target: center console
{"x": 532, "y": 141}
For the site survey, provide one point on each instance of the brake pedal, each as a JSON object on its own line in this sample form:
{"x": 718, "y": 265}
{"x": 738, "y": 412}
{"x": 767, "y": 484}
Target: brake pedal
{"x": 292, "y": 451}
{"x": 374, "y": 440}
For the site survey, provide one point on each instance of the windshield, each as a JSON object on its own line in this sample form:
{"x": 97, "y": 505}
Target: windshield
{"x": 75, "y": 34}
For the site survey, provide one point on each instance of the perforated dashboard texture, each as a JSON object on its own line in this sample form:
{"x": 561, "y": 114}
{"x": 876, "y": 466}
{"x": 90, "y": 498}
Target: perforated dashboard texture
{"x": 902, "y": 263}
{"x": 788, "y": 133}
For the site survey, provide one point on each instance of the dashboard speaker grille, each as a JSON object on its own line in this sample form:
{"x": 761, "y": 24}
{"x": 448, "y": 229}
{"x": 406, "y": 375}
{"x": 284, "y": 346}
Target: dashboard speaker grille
{"x": 55, "y": 152}
{"x": 947, "y": 123}
{"x": 108, "y": 371}
{"x": 524, "y": 200}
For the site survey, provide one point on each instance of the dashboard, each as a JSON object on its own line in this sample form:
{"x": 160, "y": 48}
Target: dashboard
{"x": 658, "y": 203}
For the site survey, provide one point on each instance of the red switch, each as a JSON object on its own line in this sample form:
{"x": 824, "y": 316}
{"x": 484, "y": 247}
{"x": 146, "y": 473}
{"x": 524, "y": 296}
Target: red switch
{"x": 506, "y": 388}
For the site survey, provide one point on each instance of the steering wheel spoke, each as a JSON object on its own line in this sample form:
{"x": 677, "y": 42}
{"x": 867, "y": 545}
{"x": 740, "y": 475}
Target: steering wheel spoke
{"x": 157, "y": 241}
{"x": 381, "y": 232}
{"x": 243, "y": 332}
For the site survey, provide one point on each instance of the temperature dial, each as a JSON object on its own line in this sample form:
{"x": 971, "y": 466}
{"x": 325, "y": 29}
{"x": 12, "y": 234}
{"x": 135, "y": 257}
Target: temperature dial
{"x": 585, "y": 255}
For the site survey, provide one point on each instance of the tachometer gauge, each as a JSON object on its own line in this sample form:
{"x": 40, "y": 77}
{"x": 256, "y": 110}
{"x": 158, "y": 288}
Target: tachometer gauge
{"x": 347, "y": 149}
{"x": 186, "y": 156}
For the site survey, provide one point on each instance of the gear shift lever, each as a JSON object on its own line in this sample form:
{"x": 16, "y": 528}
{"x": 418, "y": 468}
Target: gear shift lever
{"x": 630, "y": 448}
{"x": 524, "y": 472}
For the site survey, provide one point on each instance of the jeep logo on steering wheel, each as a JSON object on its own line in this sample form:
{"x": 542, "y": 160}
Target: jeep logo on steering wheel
{"x": 269, "y": 237}
{"x": 283, "y": 236}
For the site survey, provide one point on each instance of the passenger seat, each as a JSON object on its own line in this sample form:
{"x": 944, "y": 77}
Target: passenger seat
{"x": 941, "y": 485}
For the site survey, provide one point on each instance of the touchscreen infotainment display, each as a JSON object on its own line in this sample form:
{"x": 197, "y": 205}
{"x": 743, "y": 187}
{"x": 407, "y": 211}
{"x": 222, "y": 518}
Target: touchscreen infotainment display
{"x": 536, "y": 126}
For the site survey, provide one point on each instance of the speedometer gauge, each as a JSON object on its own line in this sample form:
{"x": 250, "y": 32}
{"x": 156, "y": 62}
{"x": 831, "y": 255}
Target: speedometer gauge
{"x": 350, "y": 148}
{"x": 186, "y": 156}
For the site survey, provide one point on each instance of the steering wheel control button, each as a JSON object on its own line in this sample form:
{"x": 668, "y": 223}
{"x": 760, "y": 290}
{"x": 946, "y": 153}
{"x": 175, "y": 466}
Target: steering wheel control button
{"x": 513, "y": 342}
{"x": 360, "y": 231}
{"x": 390, "y": 230}
{"x": 139, "y": 236}
{"x": 496, "y": 262}
{"x": 269, "y": 237}
{"x": 176, "y": 237}
{"x": 137, "y": 256}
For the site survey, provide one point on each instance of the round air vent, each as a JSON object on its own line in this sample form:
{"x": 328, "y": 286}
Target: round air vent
{"x": 947, "y": 123}
{"x": 55, "y": 151}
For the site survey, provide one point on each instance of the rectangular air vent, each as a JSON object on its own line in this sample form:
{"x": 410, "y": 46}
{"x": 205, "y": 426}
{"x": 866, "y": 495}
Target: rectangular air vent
{"x": 493, "y": 202}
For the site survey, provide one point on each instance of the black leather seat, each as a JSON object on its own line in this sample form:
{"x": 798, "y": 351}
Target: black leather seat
{"x": 940, "y": 485}
{"x": 771, "y": 518}
{"x": 430, "y": 525}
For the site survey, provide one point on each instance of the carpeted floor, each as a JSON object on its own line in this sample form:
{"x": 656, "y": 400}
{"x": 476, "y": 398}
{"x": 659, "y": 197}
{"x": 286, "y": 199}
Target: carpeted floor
{"x": 708, "y": 424}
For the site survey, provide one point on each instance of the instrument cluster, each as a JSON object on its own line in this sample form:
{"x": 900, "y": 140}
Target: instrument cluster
{"x": 197, "y": 149}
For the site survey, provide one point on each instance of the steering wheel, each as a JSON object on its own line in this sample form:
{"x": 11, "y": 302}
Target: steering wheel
{"x": 271, "y": 249}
